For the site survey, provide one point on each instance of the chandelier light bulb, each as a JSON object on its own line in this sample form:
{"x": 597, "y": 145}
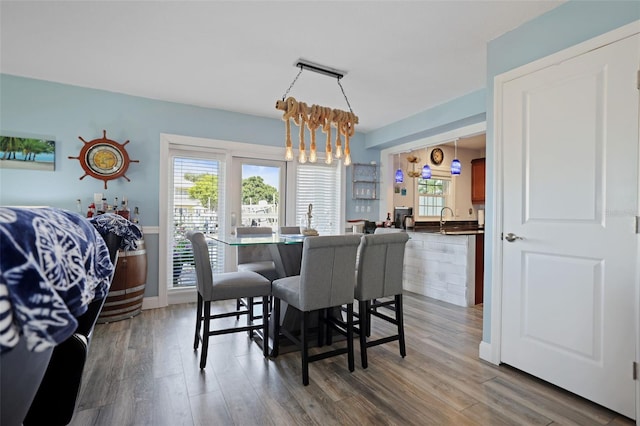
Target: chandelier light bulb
{"x": 338, "y": 151}
{"x": 329, "y": 158}
{"x": 347, "y": 160}
{"x": 302, "y": 157}
{"x": 312, "y": 156}
{"x": 288, "y": 154}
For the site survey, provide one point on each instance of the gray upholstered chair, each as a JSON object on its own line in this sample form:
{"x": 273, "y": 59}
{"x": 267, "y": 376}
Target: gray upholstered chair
{"x": 255, "y": 258}
{"x": 326, "y": 280}
{"x": 380, "y": 267}
{"x": 387, "y": 230}
{"x": 290, "y": 230}
{"x": 225, "y": 286}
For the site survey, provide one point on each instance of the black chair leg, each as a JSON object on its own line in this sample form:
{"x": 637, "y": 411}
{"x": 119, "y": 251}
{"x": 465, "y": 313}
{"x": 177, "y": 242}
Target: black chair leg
{"x": 350, "y": 336}
{"x": 305, "y": 347}
{"x": 196, "y": 340}
{"x": 400, "y": 320}
{"x": 364, "y": 321}
{"x": 238, "y": 306}
{"x": 368, "y": 314}
{"x": 251, "y": 316}
{"x": 205, "y": 335}
{"x": 265, "y": 326}
{"x": 322, "y": 320}
{"x": 276, "y": 327}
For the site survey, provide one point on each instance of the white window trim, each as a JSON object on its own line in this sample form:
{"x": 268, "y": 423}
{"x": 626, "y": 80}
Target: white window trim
{"x": 231, "y": 149}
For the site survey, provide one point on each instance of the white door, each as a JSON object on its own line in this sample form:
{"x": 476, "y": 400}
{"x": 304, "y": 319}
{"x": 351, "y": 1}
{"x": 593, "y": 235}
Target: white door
{"x": 571, "y": 193}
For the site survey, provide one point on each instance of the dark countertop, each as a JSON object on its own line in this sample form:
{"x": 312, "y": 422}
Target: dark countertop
{"x": 450, "y": 228}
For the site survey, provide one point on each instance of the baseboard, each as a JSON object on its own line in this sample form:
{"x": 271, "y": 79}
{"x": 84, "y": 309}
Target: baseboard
{"x": 150, "y": 303}
{"x": 485, "y": 352}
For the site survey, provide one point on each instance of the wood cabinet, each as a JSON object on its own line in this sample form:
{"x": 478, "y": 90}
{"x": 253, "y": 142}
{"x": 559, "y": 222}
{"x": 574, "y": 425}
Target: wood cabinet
{"x": 477, "y": 180}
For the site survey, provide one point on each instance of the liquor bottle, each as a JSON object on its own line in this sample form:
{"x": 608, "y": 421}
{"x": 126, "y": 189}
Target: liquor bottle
{"x": 91, "y": 210}
{"x": 124, "y": 211}
{"x": 136, "y": 215}
{"x": 387, "y": 222}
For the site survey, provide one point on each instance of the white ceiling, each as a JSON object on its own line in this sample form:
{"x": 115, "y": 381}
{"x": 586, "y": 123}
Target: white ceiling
{"x": 400, "y": 57}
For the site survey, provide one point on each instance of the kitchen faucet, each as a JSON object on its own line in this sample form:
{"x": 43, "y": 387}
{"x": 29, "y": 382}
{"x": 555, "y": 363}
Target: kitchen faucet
{"x": 442, "y": 220}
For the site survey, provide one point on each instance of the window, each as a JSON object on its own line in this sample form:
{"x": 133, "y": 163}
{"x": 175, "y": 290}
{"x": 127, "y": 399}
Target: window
{"x": 432, "y": 195}
{"x": 198, "y": 196}
{"x": 320, "y": 185}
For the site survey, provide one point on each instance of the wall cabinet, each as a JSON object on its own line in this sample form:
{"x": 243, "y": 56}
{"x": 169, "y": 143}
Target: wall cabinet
{"x": 477, "y": 181}
{"x": 365, "y": 178}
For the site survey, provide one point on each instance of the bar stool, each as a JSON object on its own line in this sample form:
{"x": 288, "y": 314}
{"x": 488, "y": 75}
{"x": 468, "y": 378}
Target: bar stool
{"x": 380, "y": 268}
{"x": 326, "y": 280}
{"x": 225, "y": 286}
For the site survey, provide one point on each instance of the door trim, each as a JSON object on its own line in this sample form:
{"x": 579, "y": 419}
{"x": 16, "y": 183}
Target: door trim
{"x": 491, "y": 351}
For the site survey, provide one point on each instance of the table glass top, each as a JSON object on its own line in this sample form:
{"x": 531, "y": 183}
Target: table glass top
{"x": 247, "y": 240}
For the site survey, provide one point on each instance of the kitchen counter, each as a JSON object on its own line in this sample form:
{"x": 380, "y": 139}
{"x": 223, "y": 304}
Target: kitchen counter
{"x": 442, "y": 265}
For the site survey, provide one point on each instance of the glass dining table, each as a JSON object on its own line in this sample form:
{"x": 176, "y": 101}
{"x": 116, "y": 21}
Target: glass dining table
{"x": 286, "y": 252}
{"x": 286, "y": 249}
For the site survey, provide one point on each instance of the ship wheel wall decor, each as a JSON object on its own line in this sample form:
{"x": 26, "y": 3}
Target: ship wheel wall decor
{"x": 104, "y": 159}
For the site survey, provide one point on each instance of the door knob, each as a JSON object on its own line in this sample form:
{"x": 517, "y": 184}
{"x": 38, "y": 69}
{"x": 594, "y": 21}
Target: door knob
{"x": 511, "y": 237}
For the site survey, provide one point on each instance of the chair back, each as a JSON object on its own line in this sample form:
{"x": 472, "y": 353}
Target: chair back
{"x": 290, "y": 230}
{"x": 327, "y": 274}
{"x": 253, "y": 253}
{"x": 387, "y": 230}
{"x": 204, "y": 273}
{"x": 380, "y": 265}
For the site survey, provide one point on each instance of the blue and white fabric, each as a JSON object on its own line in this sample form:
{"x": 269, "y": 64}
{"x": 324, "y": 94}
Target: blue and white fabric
{"x": 53, "y": 263}
{"x": 129, "y": 231}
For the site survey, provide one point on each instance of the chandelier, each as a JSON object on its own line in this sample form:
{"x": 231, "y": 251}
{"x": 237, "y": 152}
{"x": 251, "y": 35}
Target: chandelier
{"x": 315, "y": 117}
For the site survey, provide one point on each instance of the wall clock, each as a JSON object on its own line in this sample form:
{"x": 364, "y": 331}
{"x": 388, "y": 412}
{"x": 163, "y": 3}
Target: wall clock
{"x": 104, "y": 159}
{"x": 437, "y": 156}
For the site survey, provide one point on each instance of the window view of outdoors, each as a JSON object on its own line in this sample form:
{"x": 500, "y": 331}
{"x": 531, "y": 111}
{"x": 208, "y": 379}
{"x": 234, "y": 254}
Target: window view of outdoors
{"x": 260, "y": 196}
{"x": 198, "y": 196}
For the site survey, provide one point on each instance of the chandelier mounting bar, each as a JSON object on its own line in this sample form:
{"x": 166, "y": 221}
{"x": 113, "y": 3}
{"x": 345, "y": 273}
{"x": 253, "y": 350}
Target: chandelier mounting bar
{"x": 320, "y": 69}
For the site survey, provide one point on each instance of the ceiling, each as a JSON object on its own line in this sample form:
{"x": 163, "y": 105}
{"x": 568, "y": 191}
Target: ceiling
{"x": 400, "y": 58}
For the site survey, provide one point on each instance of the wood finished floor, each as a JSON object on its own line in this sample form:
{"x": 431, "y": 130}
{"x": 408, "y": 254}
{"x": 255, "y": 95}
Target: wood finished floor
{"x": 144, "y": 371}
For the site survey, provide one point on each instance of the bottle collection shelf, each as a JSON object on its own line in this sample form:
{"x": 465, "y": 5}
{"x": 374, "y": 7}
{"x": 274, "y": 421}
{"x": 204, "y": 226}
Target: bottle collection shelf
{"x": 365, "y": 179}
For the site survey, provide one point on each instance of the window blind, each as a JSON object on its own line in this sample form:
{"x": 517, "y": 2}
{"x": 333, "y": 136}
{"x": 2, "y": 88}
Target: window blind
{"x": 320, "y": 185}
{"x": 198, "y": 197}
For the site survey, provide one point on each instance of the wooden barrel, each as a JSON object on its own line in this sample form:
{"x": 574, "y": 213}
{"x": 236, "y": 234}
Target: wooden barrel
{"x": 127, "y": 288}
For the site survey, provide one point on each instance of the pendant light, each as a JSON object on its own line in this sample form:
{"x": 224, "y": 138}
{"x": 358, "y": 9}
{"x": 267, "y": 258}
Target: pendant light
{"x": 456, "y": 167}
{"x": 399, "y": 175}
{"x": 426, "y": 170}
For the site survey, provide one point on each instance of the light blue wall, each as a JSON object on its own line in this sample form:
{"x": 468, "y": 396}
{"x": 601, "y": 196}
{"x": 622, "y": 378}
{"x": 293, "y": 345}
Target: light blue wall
{"x": 560, "y": 28}
{"x": 63, "y": 113}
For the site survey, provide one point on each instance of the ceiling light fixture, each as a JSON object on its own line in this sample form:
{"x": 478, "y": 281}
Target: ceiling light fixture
{"x": 399, "y": 174}
{"x": 317, "y": 117}
{"x": 456, "y": 167}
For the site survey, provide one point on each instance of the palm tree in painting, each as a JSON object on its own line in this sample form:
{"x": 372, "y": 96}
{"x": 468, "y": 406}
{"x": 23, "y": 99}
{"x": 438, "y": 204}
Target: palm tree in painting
{"x": 9, "y": 146}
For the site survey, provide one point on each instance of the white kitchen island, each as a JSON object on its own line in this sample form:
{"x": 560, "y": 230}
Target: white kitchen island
{"x": 441, "y": 266}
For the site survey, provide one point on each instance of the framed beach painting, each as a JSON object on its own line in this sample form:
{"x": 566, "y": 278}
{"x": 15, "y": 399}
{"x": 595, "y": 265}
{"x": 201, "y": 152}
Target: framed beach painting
{"x": 27, "y": 153}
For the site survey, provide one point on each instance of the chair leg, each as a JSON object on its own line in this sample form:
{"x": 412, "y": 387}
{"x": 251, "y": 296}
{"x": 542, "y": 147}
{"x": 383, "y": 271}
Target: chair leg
{"x": 323, "y": 314}
{"x": 205, "y": 335}
{"x": 304, "y": 322}
{"x": 276, "y": 327}
{"x": 368, "y": 314}
{"x": 364, "y": 321}
{"x": 250, "y": 316}
{"x": 265, "y": 326}
{"x": 196, "y": 339}
{"x": 400, "y": 320}
{"x": 350, "y": 336}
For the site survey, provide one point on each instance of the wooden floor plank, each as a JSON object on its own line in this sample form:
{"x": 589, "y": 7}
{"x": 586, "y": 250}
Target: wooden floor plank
{"x": 144, "y": 371}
